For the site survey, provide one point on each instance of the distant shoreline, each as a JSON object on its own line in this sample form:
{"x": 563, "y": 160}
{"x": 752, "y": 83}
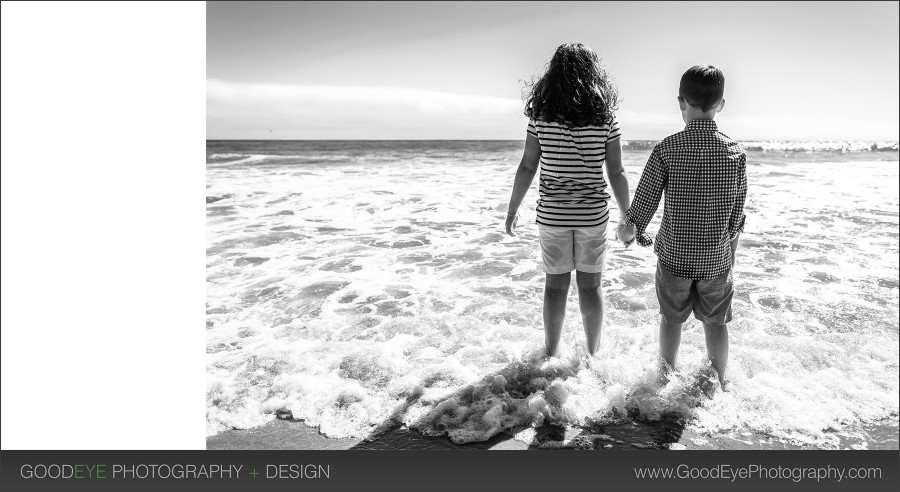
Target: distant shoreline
{"x": 501, "y": 140}
{"x": 629, "y": 144}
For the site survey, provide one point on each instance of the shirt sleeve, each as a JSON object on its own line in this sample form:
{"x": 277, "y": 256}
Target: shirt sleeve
{"x": 614, "y": 131}
{"x": 532, "y": 130}
{"x": 646, "y": 197}
{"x": 737, "y": 218}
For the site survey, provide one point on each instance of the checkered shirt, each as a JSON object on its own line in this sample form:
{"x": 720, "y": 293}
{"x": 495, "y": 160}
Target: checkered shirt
{"x": 704, "y": 176}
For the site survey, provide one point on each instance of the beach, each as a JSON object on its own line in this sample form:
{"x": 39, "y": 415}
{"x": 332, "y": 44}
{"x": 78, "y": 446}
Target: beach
{"x": 366, "y": 290}
{"x": 282, "y": 434}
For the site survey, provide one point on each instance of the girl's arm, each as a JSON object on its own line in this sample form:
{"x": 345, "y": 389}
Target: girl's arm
{"x": 524, "y": 176}
{"x": 619, "y": 183}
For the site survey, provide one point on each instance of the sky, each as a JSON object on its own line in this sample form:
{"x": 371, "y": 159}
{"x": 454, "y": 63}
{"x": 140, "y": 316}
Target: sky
{"x": 455, "y": 70}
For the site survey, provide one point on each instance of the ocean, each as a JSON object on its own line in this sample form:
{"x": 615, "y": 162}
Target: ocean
{"x": 356, "y": 285}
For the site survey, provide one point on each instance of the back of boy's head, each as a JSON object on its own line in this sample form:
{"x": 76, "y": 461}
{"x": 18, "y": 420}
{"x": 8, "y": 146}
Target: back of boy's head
{"x": 702, "y": 86}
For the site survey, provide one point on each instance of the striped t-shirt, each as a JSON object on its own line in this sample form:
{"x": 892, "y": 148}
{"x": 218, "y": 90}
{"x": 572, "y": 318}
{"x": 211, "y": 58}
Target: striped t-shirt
{"x": 572, "y": 187}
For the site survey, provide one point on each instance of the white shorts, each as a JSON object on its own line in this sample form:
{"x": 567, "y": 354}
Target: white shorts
{"x": 580, "y": 248}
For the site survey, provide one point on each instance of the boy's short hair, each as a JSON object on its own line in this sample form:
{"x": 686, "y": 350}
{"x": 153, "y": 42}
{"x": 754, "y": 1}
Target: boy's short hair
{"x": 702, "y": 86}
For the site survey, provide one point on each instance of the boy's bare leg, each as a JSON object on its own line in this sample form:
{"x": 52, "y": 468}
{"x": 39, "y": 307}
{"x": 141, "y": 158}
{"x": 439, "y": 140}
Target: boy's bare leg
{"x": 590, "y": 299}
{"x": 669, "y": 341}
{"x": 556, "y": 291}
{"x": 717, "y": 348}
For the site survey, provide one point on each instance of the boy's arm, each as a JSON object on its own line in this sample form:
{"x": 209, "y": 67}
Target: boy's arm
{"x": 619, "y": 184}
{"x": 524, "y": 176}
{"x": 734, "y": 246}
{"x": 737, "y": 219}
{"x": 646, "y": 198}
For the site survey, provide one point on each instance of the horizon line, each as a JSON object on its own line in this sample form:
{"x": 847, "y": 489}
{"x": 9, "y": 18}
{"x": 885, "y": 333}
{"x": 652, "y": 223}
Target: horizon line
{"x": 514, "y": 140}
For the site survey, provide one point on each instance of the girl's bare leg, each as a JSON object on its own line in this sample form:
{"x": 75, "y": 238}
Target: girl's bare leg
{"x": 590, "y": 299}
{"x": 556, "y": 291}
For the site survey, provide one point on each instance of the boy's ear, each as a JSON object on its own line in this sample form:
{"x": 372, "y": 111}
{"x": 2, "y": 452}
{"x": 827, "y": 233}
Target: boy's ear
{"x": 721, "y": 105}
{"x": 681, "y": 103}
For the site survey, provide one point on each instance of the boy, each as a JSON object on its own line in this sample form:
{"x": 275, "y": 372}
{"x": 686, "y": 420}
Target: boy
{"x": 704, "y": 176}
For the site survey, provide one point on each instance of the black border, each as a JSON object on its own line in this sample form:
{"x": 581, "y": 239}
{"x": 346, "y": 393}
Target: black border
{"x": 399, "y": 471}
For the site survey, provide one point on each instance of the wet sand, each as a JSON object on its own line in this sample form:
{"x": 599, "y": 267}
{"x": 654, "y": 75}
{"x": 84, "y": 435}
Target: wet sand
{"x": 286, "y": 434}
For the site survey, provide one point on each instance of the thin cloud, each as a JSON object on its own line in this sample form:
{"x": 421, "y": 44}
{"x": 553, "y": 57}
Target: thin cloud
{"x": 236, "y": 110}
{"x": 281, "y": 111}
{"x": 655, "y": 126}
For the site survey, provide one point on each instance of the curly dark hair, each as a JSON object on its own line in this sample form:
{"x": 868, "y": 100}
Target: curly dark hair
{"x": 574, "y": 89}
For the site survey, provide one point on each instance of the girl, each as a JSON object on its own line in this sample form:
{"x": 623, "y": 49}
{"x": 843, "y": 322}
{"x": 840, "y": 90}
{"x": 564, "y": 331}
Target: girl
{"x": 572, "y": 132}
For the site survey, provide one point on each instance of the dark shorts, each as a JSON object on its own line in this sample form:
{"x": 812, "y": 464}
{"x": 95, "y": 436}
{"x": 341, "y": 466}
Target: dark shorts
{"x": 709, "y": 299}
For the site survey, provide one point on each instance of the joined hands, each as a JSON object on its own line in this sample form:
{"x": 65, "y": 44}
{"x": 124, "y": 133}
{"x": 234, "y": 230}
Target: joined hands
{"x": 625, "y": 233}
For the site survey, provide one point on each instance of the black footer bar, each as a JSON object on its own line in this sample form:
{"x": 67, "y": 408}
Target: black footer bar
{"x": 399, "y": 471}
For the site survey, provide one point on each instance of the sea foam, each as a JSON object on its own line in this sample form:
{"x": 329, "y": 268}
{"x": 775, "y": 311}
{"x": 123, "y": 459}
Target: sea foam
{"x": 356, "y": 294}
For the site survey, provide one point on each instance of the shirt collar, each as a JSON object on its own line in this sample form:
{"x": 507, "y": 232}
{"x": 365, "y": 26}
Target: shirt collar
{"x": 702, "y": 125}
